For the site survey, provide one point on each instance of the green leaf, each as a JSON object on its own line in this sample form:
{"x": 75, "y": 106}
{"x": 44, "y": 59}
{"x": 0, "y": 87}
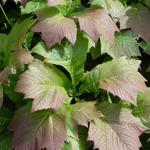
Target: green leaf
{"x": 119, "y": 76}
{"x": 5, "y": 140}
{"x": 145, "y": 46}
{"x": 137, "y": 18}
{"x": 114, "y": 7}
{"x": 18, "y": 32}
{"x": 143, "y": 107}
{"x": 125, "y": 45}
{"x": 5, "y": 116}
{"x": 55, "y": 27}
{"x": 1, "y": 94}
{"x": 116, "y": 129}
{"x": 72, "y": 58}
{"x": 42, "y": 129}
{"x": 33, "y": 6}
{"x": 45, "y": 84}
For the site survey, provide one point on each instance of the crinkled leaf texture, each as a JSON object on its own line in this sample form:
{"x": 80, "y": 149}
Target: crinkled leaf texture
{"x": 67, "y": 56}
{"x": 125, "y": 45}
{"x": 143, "y": 107}
{"x": 96, "y": 22}
{"x": 38, "y": 130}
{"x": 55, "y": 27}
{"x": 119, "y": 76}
{"x": 117, "y": 129}
{"x": 137, "y": 18}
{"x": 45, "y": 84}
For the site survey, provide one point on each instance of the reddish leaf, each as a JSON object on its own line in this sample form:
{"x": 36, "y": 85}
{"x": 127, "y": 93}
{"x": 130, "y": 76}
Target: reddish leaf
{"x": 118, "y": 129}
{"x": 39, "y": 130}
{"x": 21, "y": 56}
{"x": 55, "y": 2}
{"x": 96, "y": 22}
{"x": 45, "y": 84}
{"x": 137, "y": 18}
{"x": 55, "y": 28}
{"x": 84, "y": 112}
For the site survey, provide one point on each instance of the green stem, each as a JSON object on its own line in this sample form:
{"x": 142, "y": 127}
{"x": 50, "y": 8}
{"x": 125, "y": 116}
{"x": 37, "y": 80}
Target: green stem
{"x": 4, "y": 14}
{"x": 108, "y": 96}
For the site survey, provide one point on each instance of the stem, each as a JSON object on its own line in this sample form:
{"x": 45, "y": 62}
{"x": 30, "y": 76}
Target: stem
{"x": 108, "y": 96}
{"x": 4, "y": 14}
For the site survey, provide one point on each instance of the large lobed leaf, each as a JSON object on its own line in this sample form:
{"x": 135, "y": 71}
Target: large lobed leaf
{"x": 67, "y": 56}
{"x": 125, "y": 45}
{"x": 45, "y": 84}
{"x": 54, "y": 27}
{"x": 117, "y": 129}
{"x": 120, "y": 77}
{"x": 38, "y": 130}
{"x": 96, "y": 22}
{"x": 137, "y": 18}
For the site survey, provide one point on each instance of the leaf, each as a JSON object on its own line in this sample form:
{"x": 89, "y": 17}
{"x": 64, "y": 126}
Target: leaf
{"x": 45, "y": 84}
{"x": 118, "y": 129}
{"x": 67, "y": 56}
{"x": 33, "y": 6}
{"x": 137, "y": 18}
{"x": 39, "y": 130}
{"x": 96, "y": 22}
{"x": 5, "y": 116}
{"x": 21, "y": 56}
{"x": 120, "y": 77}
{"x": 56, "y": 2}
{"x": 5, "y": 140}
{"x": 1, "y": 94}
{"x": 114, "y": 7}
{"x": 125, "y": 45}
{"x": 145, "y": 46}
{"x": 54, "y": 28}
{"x": 18, "y": 32}
{"x": 84, "y": 112}
{"x": 143, "y": 107}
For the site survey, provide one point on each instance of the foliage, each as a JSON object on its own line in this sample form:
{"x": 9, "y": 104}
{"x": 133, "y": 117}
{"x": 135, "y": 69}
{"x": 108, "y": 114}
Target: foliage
{"x": 74, "y": 75}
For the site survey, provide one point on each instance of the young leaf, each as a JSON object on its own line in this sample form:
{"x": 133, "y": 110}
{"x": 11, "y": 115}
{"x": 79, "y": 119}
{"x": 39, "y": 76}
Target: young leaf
{"x": 96, "y": 22}
{"x": 117, "y": 129}
{"x": 67, "y": 56}
{"x": 143, "y": 108}
{"x": 84, "y": 112}
{"x": 56, "y": 2}
{"x": 45, "y": 84}
{"x": 55, "y": 27}
{"x": 137, "y": 18}
{"x": 125, "y": 45}
{"x": 39, "y": 130}
{"x": 120, "y": 77}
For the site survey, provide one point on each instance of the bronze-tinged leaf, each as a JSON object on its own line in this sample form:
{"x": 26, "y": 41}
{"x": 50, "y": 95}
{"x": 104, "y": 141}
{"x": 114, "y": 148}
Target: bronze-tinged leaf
{"x": 56, "y": 2}
{"x": 117, "y": 129}
{"x": 84, "y": 112}
{"x": 39, "y": 130}
{"x": 96, "y": 22}
{"x": 137, "y": 18}
{"x": 1, "y": 94}
{"x": 21, "y": 56}
{"x": 45, "y": 84}
{"x": 119, "y": 76}
{"x": 4, "y": 74}
{"x": 55, "y": 28}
